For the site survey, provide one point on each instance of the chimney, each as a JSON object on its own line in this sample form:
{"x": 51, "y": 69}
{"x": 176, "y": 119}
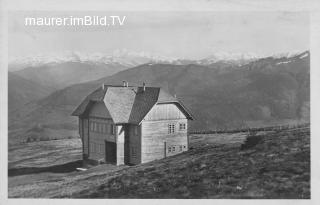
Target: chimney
{"x": 127, "y": 84}
{"x": 102, "y": 86}
{"x": 175, "y": 95}
{"x": 144, "y": 86}
{"x": 124, "y": 83}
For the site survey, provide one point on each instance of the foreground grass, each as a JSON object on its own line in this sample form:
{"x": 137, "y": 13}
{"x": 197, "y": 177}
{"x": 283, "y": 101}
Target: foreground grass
{"x": 44, "y": 153}
{"x": 278, "y": 166}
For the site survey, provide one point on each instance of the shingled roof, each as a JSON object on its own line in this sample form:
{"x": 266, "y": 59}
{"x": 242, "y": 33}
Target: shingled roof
{"x": 128, "y": 104}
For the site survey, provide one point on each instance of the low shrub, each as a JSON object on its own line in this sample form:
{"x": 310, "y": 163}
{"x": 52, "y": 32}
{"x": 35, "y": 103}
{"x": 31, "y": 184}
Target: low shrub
{"x": 251, "y": 141}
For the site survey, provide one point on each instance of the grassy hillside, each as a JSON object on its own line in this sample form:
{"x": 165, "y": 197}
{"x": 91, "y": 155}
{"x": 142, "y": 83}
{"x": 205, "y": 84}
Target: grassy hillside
{"x": 268, "y": 91}
{"x": 21, "y": 91}
{"x": 277, "y": 165}
{"x": 61, "y": 75}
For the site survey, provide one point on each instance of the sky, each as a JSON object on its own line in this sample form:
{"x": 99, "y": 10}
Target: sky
{"x": 178, "y": 34}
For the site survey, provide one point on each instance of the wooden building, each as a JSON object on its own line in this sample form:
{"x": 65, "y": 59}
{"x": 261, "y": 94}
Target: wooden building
{"x": 131, "y": 125}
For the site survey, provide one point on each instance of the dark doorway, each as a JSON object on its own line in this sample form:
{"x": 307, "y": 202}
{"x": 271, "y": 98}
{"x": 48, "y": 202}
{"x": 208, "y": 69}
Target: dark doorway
{"x": 111, "y": 152}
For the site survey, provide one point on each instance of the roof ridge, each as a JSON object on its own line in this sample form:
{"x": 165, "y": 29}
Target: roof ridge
{"x": 129, "y": 86}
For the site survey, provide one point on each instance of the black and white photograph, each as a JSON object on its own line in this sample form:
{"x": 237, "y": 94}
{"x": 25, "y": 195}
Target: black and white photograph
{"x": 152, "y": 100}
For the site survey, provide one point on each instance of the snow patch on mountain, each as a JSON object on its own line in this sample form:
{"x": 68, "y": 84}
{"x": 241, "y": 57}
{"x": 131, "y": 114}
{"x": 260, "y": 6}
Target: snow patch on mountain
{"x": 229, "y": 56}
{"x": 127, "y": 58}
{"x": 284, "y": 62}
{"x": 289, "y": 54}
{"x": 122, "y": 57}
{"x": 304, "y": 55}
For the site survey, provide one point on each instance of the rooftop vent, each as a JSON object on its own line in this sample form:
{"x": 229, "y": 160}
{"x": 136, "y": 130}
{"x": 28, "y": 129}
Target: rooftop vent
{"x": 125, "y": 84}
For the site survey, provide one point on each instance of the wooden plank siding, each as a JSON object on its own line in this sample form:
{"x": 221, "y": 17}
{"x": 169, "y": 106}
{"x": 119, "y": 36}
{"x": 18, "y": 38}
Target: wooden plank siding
{"x": 120, "y": 130}
{"x": 164, "y": 112}
{"x": 134, "y": 144}
{"x": 100, "y": 128}
{"x": 155, "y": 136}
{"x": 85, "y": 133}
{"x": 97, "y": 138}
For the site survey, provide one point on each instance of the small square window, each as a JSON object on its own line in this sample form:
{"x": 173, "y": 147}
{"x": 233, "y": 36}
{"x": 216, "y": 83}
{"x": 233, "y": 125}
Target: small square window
{"x": 182, "y": 126}
{"x": 173, "y": 148}
{"x": 180, "y": 148}
{"x": 169, "y": 149}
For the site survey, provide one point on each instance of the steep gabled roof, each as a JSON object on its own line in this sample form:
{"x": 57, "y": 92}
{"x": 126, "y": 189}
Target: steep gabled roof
{"x": 143, "y": 103}
{"x": 119, "y": 101}
{"x": 128, "y": 104}
{"x": 95, "y": 96}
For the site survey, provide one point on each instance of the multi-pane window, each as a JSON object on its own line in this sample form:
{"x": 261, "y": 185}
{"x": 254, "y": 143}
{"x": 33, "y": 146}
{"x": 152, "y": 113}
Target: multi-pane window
{"x": 102, "y": 128}
{"x": 176, "y": 148}
{"x": 171, "y": 129}
{"x": 182, "y": 126}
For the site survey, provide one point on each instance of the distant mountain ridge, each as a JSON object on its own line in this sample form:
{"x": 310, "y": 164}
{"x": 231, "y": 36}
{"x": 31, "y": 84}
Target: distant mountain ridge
{"x": 21, "y": 91}
{"x": 64, "y": 74}
{"x": 127, "y": 58}
{"x": 221, "y": 96}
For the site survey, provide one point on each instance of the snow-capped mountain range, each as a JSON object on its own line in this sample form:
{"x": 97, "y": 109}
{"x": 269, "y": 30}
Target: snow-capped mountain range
{"x": 119, "y": 57}
{"x": 128, "y": 58}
